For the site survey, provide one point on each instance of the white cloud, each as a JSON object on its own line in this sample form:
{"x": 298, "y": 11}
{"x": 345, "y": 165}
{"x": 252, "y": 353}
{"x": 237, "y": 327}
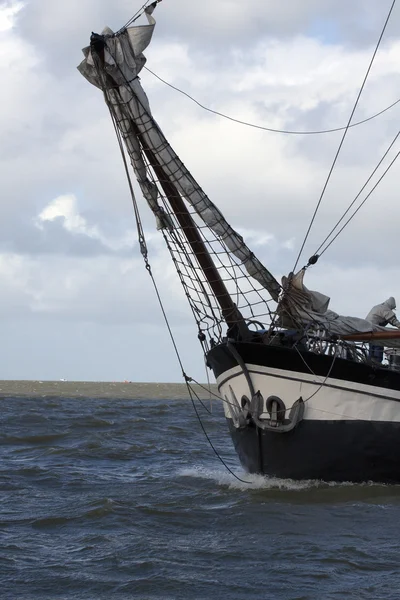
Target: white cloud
{"x": 62, "y": 174}
{"x": 66, "y": 207}
{"x": 8, "y": 14}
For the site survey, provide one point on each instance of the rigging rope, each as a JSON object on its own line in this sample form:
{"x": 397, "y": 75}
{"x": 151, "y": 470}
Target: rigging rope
{"x": 344, "y": 134}
{"x": 212, "y": 446}
{"x": 362, "y": 203}
{"x": 141, "y": 11}
{"x": 137, "y": 15}
{"x": 322, "y": 384}
{"x": 358, "y": 195}
{"x": 270, "y": 129}
{"x": 143, "y": 247}
{"x": 187, "y": 379}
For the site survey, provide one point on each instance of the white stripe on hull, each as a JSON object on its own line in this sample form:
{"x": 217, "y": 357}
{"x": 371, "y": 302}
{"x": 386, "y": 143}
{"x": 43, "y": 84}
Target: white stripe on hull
{"x": 325, "y": 399}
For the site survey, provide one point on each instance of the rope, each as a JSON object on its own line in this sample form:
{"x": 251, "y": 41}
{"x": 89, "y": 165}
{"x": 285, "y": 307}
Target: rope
{"x": 141, "y": 237}
{"x": 142, "y": 242}
{"x": 137, "y": 15}
{"x": 264, "y": 128}
{"x": 212, "y": 445}
{"x": 358, "y": 195}
{"x": 311, "y": 371}
{"x": 210, "y": 391}
{"x": 143, "y": 246}
{"x": 223, "y": 400}
{"x": 362, "y": 203}
{"x": 198, "y": 397}
{"x": 186, "y": 378}
{"x": 344, "y": 134}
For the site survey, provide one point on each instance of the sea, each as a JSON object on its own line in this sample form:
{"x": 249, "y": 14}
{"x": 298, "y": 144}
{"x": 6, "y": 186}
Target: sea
{"x": 113, "y": 491}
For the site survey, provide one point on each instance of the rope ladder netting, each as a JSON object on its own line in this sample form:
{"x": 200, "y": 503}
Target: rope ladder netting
{"x": 252, "y": 300}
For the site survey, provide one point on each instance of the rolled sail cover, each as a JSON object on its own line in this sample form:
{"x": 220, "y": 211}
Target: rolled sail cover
{"x": 117, "y": 76}
{"x": 301, "y": 308}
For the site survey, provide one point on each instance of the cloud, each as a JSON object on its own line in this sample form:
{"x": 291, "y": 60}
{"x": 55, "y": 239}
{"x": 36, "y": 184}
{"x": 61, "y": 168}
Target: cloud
{"x": 8, "y": 13}
{"x": 68, "y": 250}
{"x": 280, "y": 178}
{"x": 93, "y": 289}
{"x": 64, "y": 210}
{"x": 224, "y": 24}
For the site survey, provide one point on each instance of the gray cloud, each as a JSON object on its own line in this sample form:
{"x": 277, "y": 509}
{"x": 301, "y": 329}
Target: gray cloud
{"x": 23, "y": 237}
{"x": 77, "y": 278}
{"x": 229, "y": 23}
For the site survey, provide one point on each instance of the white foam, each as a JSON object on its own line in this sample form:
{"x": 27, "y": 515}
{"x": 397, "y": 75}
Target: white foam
{"x": 251, "y": 481}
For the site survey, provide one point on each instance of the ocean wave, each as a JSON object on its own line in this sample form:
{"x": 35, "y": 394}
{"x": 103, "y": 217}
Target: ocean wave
{"x": 44, "y": 438}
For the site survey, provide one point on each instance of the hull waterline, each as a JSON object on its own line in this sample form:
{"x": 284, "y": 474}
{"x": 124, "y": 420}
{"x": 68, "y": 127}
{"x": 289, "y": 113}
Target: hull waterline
{"x": 326, "y": 450}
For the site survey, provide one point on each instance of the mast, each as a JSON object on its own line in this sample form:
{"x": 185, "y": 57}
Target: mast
{"x": 230, "y": 312}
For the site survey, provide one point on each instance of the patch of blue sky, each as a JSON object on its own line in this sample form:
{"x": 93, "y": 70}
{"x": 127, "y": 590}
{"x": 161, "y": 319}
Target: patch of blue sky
{"x": 325, "y": 30}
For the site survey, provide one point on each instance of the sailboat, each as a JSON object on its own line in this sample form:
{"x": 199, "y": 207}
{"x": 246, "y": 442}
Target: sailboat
{"x": 301, "y": 396}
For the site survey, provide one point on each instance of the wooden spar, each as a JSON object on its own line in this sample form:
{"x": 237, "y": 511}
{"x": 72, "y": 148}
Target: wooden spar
{"x": 372, "y": 335}
{"x": 230, "y": 312}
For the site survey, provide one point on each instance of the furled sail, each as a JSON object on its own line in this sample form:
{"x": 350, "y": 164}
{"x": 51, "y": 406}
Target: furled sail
{"x": 301, "y": 307}
{"x": 113, "y": 63}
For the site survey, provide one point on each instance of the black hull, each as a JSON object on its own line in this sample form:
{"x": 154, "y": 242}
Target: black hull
{"x": 364, "y": 446}
{"x": 355, "y": 451}
{"x": 221, "y": 360}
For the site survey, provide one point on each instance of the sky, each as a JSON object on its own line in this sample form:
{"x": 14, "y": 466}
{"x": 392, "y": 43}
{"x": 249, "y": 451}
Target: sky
{"x": 76, "y": 301}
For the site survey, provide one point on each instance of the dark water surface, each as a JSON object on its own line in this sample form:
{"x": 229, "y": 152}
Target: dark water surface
{"x": 119, "y": 498}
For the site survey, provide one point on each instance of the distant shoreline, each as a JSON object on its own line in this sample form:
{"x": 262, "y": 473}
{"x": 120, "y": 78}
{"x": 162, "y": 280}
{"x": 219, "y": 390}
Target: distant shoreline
{"x": 93, "y": 389}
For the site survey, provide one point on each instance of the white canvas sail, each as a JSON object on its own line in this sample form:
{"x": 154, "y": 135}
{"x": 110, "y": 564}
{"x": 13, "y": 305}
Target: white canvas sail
{"x": 117, "y": 76}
